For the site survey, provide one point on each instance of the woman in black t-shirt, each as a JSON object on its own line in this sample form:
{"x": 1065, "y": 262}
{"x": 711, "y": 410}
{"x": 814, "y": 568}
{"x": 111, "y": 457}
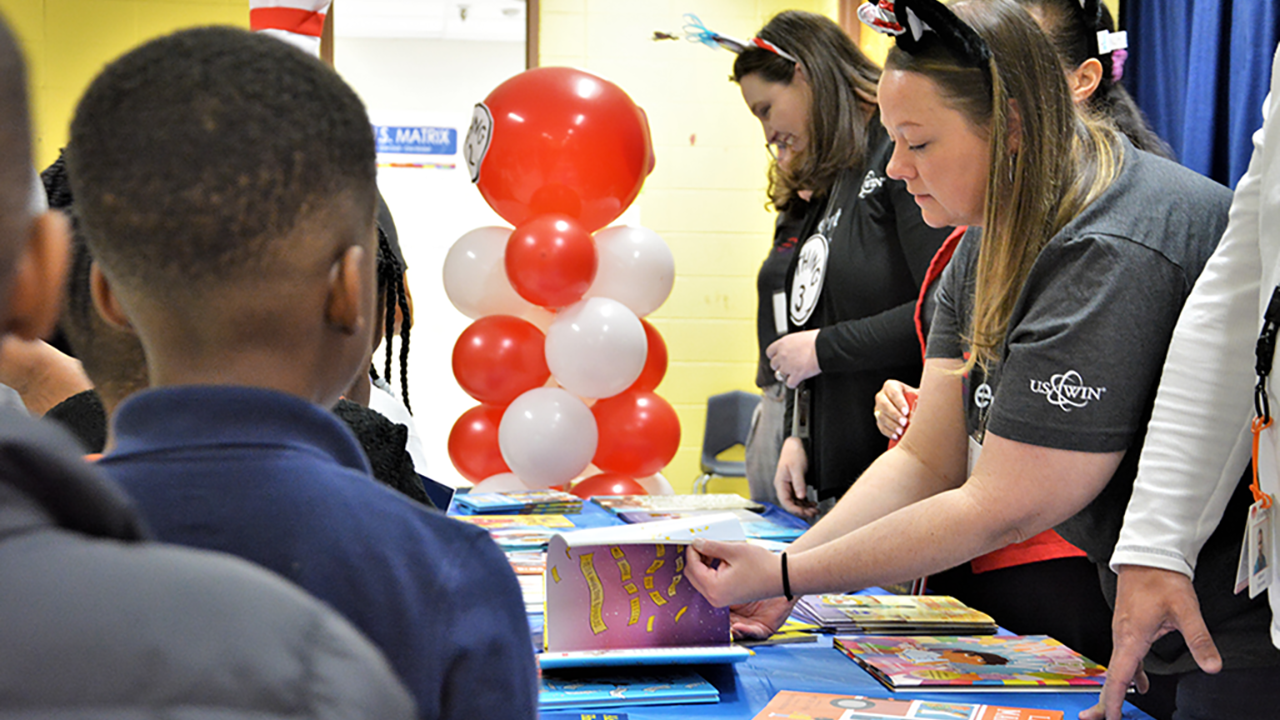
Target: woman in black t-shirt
{"x": 862, "y": 253}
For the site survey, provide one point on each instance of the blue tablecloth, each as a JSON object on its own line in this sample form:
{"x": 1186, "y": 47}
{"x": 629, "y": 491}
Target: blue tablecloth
{"x": 746, "y": 687}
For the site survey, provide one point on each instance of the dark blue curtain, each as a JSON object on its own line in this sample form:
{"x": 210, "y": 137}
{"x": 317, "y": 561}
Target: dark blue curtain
{"x": 1200, "y": 69}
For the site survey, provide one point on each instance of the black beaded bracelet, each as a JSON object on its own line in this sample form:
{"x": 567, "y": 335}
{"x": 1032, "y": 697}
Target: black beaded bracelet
{"x": 786, "y": 581}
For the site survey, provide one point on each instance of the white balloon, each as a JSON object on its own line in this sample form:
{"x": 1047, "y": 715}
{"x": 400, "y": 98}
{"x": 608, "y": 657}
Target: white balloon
{"x": 502, "y": 482}
{"x": 656, "y": 484}
{"x": 635, "y": 268}
{"x": 475, "y": 278}
{"x": 547, "y": 436}
{"x": 596, "y": 348}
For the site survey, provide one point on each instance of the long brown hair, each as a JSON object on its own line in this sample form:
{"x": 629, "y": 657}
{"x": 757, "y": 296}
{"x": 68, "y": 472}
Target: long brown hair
{"x": 843, "y": 83}
{"x": 1047, "y": 162}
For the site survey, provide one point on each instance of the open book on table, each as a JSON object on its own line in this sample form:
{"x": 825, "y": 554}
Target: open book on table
{"x": 618, "y": 595}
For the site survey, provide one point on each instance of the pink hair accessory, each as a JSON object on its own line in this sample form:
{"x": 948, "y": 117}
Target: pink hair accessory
{"x": 1117, "y": 64}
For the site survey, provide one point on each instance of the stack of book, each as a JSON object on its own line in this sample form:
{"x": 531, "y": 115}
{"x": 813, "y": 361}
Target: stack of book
{"x": 756, "y": 527}
{"x": 966, "y": 663}
{"x": 673, "y": 503}
{"x": 893, "y": 615}
{"x": 515, "y": 533}
{"x": 544, "y": 502}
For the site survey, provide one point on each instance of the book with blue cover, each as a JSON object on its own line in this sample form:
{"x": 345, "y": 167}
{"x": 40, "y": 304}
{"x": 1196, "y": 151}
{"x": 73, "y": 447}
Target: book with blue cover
{"x": 755, "y": 526}
{"x": 581, "y": 689}
{"x": 553, "y": 502}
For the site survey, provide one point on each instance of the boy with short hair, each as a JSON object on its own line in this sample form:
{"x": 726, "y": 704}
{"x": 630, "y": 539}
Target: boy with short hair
{"x": 225, "y": 183}
{"x": 93, "y": 620}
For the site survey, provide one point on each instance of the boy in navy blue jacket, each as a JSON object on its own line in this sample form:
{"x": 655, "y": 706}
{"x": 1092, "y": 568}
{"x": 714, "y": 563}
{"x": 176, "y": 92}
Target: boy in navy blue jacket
{"x": 225, "y": 182}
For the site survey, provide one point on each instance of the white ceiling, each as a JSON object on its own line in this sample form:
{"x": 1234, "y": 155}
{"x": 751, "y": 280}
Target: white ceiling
{"x": 488, "y": 20}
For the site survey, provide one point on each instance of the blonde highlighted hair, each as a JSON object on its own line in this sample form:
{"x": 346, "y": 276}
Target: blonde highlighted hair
{"x": 1047, "y": 161}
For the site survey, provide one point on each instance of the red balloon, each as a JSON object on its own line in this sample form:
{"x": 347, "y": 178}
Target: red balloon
{"x": 639, "y": 433}
{"x": 473, "y": 443}
{"x": 608, "y": 484}
{"x": 559, "y": 140}
{"x": 655, "y": 362}
{"x": 551, "y": 260}
{"x": 499, "y": 357}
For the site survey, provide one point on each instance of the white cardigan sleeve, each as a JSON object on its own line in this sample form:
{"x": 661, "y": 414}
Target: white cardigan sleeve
{"x": 1198, "y": 442}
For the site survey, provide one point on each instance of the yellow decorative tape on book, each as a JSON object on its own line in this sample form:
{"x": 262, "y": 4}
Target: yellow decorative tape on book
{"x": 587, "y": 564}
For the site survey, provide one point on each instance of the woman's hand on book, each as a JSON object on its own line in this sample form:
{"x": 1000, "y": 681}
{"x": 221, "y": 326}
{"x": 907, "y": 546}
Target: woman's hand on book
{"x": 729, "y": 573}
{"x": 760, "y": 619}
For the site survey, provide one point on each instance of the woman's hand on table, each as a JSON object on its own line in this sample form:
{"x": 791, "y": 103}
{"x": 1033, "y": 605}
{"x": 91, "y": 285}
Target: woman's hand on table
{"x": 794, "y": 357}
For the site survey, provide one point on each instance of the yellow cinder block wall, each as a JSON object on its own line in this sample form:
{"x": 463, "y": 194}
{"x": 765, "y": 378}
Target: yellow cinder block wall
{"x": 68, "y": 41}
{"x": 706, "y": 196}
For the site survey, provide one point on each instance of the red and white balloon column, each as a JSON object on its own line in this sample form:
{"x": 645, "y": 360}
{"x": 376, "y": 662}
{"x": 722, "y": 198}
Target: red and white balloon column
{"x": 559, "y": 357}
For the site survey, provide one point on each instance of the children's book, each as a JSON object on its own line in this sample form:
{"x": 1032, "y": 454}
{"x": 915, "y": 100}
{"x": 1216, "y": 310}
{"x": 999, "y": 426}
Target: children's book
{"x": 792, "y": 631}
{"x": 894, "y": 615}
{"x": 553, "y": 502}
{"x": 674, "y": 503}
{"x": 491, "y": 522}
{"x": 1004, "y": 663}
{"x": 592, "y": 689}
{"x": 623, "y": 588}
{"x": 821, "y": 706}
{"x": 755, "y": 526}
{"x": 616, "y": 657}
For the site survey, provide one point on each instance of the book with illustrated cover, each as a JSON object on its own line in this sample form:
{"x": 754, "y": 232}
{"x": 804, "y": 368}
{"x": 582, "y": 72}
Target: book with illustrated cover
{"x": 490, "y": 522}
{"x": 966, "y": 663}
{"x": 792, "y": 631}
{"x": 674, "y": 503}
{"x": 623, "y": 587}
{"x": 755, "y": 526}
{"x": 554, "y": 502}
{"x": 611, "y": 689}
{"x": 894, "y": 615}
{"x": 821, "y": 706}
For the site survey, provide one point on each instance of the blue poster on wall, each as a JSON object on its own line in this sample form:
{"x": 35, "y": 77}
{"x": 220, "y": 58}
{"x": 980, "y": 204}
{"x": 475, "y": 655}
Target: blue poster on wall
{"x": 416, "y": 140}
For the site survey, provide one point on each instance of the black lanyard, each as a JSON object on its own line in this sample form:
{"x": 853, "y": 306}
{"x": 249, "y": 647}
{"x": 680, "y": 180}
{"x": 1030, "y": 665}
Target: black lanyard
{"x": 1264, "y": 353}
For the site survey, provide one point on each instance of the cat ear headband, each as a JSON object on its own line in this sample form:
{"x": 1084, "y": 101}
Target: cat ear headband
{"x": 695, "y": 31}
{"x": 916, "y": 24}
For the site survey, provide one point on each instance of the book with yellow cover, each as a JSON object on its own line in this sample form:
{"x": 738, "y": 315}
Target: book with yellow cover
{"x": 894, "y": 615}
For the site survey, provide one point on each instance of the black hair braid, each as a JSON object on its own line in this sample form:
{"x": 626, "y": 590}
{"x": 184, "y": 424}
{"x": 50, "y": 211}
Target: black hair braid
{"x": 57, "y": 187}
{"x": 391, "y": 290}
{"x": 406, "y": 324}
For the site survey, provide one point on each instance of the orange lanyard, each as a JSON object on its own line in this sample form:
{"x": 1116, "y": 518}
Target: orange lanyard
{"x": 1264, "y": 353}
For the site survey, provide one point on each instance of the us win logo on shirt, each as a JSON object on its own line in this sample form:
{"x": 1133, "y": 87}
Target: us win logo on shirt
{"x": 1067, "y": 390}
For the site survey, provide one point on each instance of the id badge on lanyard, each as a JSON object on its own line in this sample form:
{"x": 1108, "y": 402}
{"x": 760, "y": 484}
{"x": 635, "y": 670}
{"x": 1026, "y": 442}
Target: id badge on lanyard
{"x": 1257, "y": 549}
